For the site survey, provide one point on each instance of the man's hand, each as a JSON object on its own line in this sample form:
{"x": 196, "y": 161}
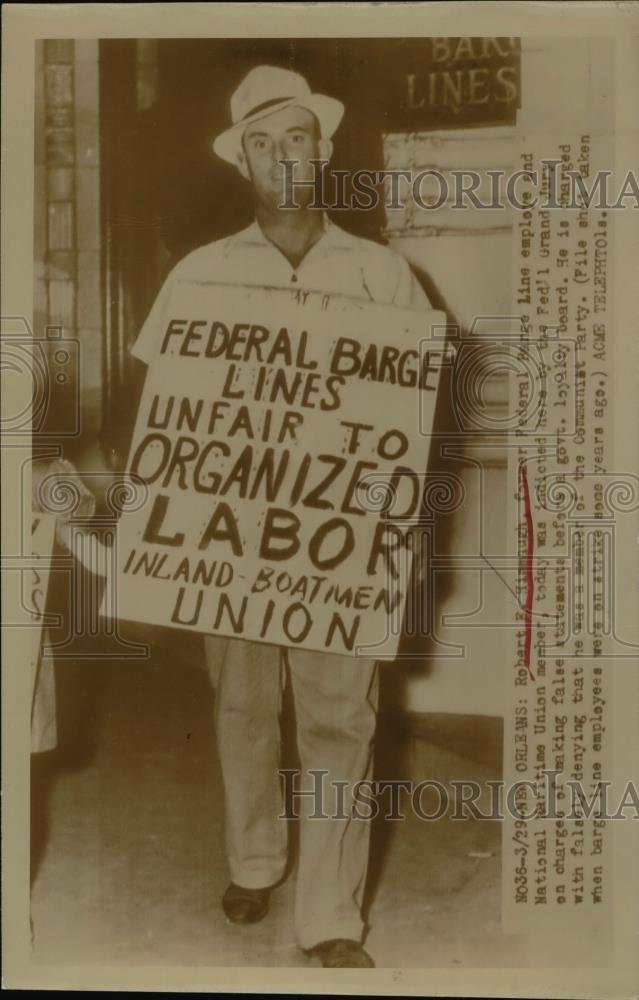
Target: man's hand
{"x": 57, "y": 488}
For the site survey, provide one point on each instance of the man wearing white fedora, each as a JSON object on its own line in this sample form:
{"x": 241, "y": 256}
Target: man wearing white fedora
{"x": 275, "y": 116}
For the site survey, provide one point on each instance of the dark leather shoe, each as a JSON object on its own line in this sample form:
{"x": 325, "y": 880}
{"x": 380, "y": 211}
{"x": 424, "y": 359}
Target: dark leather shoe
{"x": 342, "y": 953}
{"x": 245, "y": 906}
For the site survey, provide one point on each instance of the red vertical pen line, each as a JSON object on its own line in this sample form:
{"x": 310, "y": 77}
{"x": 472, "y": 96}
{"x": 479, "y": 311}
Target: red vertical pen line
{"x": 530, "y": 581}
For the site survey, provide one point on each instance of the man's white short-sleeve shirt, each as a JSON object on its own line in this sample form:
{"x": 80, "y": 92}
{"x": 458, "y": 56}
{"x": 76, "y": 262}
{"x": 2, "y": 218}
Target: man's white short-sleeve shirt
{"x": 338, "y": 264}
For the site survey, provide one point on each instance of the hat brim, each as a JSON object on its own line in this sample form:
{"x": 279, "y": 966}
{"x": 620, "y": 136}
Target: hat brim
{"x": 327, "y": 110}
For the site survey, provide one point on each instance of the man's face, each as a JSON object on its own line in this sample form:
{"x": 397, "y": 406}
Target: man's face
{"x": 291, "y": 134}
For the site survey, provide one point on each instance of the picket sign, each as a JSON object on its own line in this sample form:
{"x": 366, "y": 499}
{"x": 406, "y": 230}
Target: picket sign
{"x": 281, "y": 443}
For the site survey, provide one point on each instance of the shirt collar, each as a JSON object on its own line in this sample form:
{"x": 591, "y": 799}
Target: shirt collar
{"x": 254, "y": 236}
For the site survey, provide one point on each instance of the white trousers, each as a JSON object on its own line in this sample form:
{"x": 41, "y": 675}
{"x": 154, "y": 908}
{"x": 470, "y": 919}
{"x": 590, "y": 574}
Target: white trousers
{"x": 335, "y": 711}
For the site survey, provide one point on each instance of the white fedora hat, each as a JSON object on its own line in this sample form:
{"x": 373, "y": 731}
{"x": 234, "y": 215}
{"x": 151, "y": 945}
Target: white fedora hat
{"x": 267, "y": 89}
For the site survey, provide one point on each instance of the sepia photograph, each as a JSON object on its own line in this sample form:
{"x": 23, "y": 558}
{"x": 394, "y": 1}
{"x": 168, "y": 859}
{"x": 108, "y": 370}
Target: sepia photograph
{"x": 323, "y": 567}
